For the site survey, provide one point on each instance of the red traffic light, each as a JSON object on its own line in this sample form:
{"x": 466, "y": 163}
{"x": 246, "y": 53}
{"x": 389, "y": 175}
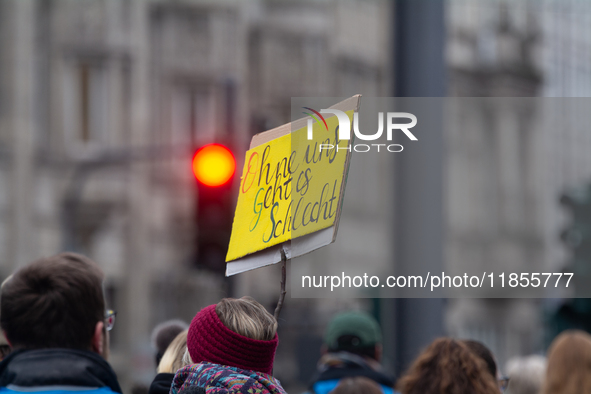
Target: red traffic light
{"x": 213, "y": 165}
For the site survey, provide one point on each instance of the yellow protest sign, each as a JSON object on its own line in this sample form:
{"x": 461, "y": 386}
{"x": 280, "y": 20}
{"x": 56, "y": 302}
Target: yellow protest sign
{"x": 291, "y": 186}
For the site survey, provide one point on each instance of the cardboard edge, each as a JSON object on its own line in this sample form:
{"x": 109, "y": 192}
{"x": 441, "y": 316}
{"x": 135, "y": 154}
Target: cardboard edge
{"x": 295, "y": 248}
{"x": 266, "y": 136}
{"x": 345, "y": 174}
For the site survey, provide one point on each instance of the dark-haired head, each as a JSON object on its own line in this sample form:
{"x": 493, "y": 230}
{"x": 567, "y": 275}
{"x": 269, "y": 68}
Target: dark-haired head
{"x": 163, "y": 335}
{"x": 485, "y": 354}
{"x": 354, "y": 332}
{"x": 55, "y": 302}
{"x": 357, "y": 385}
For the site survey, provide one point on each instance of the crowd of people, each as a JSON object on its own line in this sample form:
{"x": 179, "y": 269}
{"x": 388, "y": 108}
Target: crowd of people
{"x": 55, "y": 340}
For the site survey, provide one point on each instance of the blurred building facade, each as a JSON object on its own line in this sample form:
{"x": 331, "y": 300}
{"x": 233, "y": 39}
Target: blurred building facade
{"x": 102, "y": 104}
{"x": 507, "y": 163}
{"x": 493, "y": 200}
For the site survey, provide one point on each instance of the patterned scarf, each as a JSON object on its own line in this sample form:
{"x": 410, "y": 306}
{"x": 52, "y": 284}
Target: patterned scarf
{"x": 222, "y": 379}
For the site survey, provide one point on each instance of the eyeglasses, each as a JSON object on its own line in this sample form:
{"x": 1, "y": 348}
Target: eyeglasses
{"x": 110, "y": 319}
{"x": 503, "y": 383}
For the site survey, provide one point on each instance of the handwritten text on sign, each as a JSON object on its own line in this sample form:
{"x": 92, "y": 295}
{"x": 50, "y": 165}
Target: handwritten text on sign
{"x": 288, "y": 188}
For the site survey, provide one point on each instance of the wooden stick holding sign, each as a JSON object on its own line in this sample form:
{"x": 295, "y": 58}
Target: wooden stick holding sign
{"x": 283, "y": 279}
{"x": 291, "y": 190}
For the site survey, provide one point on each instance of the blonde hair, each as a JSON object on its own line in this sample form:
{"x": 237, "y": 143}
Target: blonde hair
{"x": 187, "y": 358}
{"x": 173, "y": 358}
{"x": 569, "y": 364}
{"x": 247, "y": 317}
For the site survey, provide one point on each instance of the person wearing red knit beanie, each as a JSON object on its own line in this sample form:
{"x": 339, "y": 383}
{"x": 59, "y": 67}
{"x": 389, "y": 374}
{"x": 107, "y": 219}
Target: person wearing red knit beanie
{"x": 232, "y": 347}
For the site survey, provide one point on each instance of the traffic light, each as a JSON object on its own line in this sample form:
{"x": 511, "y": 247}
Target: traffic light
{"x": 576, "y": 313}
{"x": 214, "y": 167}
{"x": 577, "y": 236}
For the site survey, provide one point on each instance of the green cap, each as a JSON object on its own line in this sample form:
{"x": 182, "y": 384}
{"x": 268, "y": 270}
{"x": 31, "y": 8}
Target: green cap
{"x": 352, "y": 330}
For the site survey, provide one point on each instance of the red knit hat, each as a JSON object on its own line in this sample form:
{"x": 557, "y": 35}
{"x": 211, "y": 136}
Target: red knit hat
{"x": 211, "y": 341}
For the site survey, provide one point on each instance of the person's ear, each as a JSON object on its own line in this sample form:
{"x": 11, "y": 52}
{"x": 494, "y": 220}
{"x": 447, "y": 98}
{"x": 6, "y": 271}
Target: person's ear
{"x": 379, "y": 351}
{"x": 98, "y": 338}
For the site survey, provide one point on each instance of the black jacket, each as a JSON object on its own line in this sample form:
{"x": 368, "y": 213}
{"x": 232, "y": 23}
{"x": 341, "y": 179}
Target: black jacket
{"x": 54, "y": 368}
{"x": 161, "y": 383}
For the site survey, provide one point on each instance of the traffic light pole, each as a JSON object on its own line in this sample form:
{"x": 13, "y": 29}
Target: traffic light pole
{"x": 419, "y": 71}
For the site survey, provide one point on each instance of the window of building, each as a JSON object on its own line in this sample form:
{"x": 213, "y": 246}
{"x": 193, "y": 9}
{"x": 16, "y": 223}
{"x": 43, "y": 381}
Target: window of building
{"x": 192, "y": 117}
{"x": 85, "y": 106}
